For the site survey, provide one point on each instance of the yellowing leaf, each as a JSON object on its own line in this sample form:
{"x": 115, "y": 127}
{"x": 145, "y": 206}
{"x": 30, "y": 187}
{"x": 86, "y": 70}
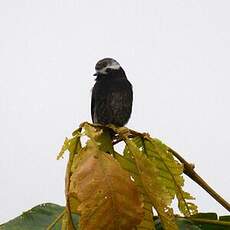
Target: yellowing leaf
{"x": 108, "y": 199}
{"x": 171, "y": 174}
{"x": 104, "y": 188}
{"x": 101, "y": 137}
{"x": 187, "y": 208}
{"x": 127, "y": 162}
{"x": 74, "y": 147}
{"x": 148, "y": 179}
{"x": 69, "y": 144}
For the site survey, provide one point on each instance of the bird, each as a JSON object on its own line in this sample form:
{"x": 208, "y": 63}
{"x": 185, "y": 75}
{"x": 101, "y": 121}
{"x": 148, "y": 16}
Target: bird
{"x": 112, "y": 94}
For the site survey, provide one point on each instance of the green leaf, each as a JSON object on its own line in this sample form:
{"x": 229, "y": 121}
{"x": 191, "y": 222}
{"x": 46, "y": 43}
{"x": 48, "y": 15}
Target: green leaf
{"x": 38, "y": 218}
{"x": 206, "y": 215}
{"x": 224, "y": 218}
{"x": 210, "y": 221}
{"x": 182, "y": 223}
{"x": 200, "y": 221}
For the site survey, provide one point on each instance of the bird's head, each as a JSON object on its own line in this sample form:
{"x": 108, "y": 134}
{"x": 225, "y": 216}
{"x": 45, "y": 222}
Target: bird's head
{"x": 105, "y": 66}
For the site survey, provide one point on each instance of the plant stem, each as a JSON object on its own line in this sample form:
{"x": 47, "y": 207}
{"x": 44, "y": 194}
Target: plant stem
{"x": 188, "y": 170}
{"x": 68, "y": 174}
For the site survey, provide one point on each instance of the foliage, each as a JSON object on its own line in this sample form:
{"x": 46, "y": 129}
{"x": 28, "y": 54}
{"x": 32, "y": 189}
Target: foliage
{"x": 104, "y": 191}
{"x": 109, "y": 190}
{"x": 39, "y": 217}
{"x": 145, "y": 177}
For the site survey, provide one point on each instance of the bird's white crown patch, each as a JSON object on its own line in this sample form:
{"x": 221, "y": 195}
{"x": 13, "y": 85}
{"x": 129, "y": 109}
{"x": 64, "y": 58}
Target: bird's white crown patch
{"x": 107, "y": 63}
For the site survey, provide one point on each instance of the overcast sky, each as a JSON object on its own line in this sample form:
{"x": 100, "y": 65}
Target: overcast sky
{"x": 176, "y": 53}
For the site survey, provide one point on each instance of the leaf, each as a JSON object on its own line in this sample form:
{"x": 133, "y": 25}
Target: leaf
{"x": 210, "y": 221}
{"x": 147, "y": 179}
{"x": 169, "y": 170}
{"x": 155, "y": 172}
{"x": 129, "y": 165}
{"x": 200, "y": 221}
{"x": 63, "y": 149}
{"x": 73, "y": 145}
{"x": 70, "y": 144}
{"x": 108, "y": 197}
{"x": 101, "y": 137}
{"x": 172, "y": 171}
{"x": 38, "y": 218}
{"x": 182, "y": 223}
{"x": 224, "y": 218}
{"x": 68, "y": 223}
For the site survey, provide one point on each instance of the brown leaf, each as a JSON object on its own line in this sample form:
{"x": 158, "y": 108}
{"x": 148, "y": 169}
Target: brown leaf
{"x": 108, "y": 198}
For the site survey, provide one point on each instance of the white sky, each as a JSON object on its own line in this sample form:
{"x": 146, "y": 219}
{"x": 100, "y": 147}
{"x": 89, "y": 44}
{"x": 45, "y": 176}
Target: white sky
{"x": 176, "y": 54}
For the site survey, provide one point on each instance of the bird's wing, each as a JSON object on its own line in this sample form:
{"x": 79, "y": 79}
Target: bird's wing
{"x": 120, "y": 104}
{"x": 120, "y": 99}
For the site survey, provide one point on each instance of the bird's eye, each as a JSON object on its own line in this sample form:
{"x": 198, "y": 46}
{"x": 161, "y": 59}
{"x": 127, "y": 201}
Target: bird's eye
{"x": 108, "y": 70}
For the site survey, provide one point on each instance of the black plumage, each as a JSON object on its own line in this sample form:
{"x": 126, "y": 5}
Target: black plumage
{"x": 112, "y": 94}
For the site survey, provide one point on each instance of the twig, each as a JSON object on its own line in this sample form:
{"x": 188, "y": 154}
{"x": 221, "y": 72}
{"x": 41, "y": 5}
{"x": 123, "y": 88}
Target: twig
{"x": 188, "y": 170}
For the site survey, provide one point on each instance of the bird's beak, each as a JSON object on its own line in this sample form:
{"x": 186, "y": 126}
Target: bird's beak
{"x": 95, "y": 74}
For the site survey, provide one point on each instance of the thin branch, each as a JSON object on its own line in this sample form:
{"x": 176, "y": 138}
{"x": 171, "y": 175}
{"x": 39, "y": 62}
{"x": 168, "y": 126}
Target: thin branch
{"x": 188, "y": 170}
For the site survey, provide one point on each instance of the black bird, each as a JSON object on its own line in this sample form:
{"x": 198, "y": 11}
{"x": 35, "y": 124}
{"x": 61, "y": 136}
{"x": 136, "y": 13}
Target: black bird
{"x": 112, "y": 94}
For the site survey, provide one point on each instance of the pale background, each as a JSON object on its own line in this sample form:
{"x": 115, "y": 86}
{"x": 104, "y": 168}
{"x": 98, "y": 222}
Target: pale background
{"x": 176, "y": 54}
